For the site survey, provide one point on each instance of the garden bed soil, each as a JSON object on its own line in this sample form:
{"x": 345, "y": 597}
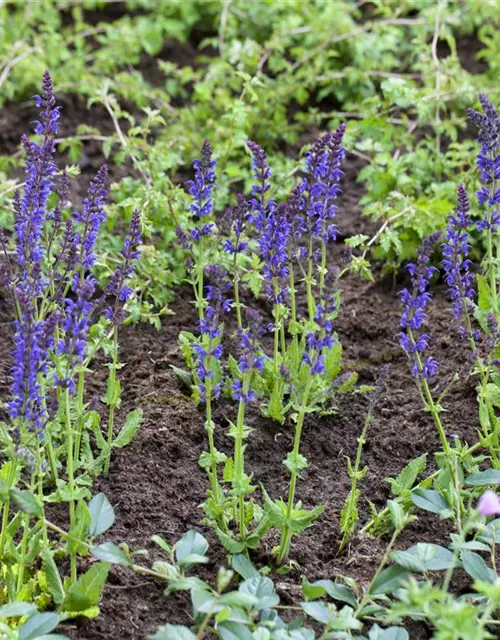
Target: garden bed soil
{"x": 156, "y": 485}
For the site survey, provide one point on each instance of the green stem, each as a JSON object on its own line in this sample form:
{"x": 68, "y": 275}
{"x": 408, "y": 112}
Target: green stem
{"x": 216, "y": 490}
{"x": 112, "y": 405}
{"x": 239, "y": 461}
{"x": 6, "y": 506}
{"x": 79, "y": 413}
{"x": 71, "y": 479}
{"x": 382, "y": 564}
{"x": 22, "y": 560}
{"x": 39, "y": 483}
{"x": 286, "y": 534}
{"x": 354, "y": 479}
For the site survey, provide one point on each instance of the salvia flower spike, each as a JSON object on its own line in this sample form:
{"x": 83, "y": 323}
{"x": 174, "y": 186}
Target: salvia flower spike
{"x": 415, "y": 301}
{"x": 457, "y": 265}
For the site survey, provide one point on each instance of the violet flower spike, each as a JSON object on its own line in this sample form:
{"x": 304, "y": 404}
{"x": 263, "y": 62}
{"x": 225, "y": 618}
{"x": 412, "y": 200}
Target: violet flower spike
{"x": 92, "y": 217}
{"x": 456, "y": 263}
{"x": 201, "y": 190}
{"x": 262, "y": 174}
{"x": 488, "y": 162}
{"x": 415, "y": 302}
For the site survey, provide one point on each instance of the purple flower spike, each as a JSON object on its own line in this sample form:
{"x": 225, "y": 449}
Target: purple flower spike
{"x": 92, "y": 217}
{"x": 488, "y": 162}
{"x": 489, "y": 504}
{"x": 413, "y": 317}
{"x": 456, "y": 262}
{"x": 201, "y": 190}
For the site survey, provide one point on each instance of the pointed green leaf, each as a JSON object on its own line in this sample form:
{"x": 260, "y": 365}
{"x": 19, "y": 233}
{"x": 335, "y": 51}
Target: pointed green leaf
{"x": 102, "y": 515}
{"x": 54, "y": 581}
{"x": 38, "y": 625}
{"x": 86, "y": 592}
{"x": 109, "y": 552}
{"x": 129, "y": 429}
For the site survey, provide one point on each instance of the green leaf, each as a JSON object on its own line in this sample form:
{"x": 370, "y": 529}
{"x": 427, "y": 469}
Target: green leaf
{"x": 102, "y": 515}
{"x": 38, "y": 625}
{"x": 484, "y": 293}
{"x": 431, "y": 500}
{"x": 162, "y": 544}
{"x": 109, "y": 552}
{"x": 476, "y": 567}
{"x": 483, "y": 478}
{"x": 261, "y": 588}
{"x": 231, "y": 544}
{"x": 391, "y": 633}
{"x": 242, "y": 565}
{"x": 318, "y": 611}
{"x": 234, "y": 631}
{"x": 406, "y": 478}
{"x": 192, "y": 543}
{"x": 86, "y": 592}
{"x": 129, "y": 429}
{"x": 27, "y": 502}
{"x": 424, "y": 557}
{"x": 54, "y": 581}
{"x": 336, "y": 591}
{"x": 388, "y": 580}
{"x": 17, "y": 610}
{"x": 173, "y": 632}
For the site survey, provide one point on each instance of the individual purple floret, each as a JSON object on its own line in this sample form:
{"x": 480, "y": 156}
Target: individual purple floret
{"x": 201, "y": 189}
{"x": 415, "y": 302}
{"x": 488, "y": 161}
{"x": 456, "y": 262}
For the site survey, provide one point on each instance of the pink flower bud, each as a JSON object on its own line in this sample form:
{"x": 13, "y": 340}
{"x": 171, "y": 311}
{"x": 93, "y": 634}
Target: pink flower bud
{"x": 489, "y": 504}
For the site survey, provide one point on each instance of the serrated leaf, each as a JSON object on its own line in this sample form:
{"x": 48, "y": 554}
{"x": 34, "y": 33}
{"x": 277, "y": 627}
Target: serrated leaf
{"x": 102, "y": 515}
{"x": 129, "y": 429}
{"x": 405, "y": 480}
{"x": 54, "y": 581}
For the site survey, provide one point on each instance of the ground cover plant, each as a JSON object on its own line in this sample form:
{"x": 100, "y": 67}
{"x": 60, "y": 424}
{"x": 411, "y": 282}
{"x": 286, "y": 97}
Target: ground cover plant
{"x": 234, "y": 405}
